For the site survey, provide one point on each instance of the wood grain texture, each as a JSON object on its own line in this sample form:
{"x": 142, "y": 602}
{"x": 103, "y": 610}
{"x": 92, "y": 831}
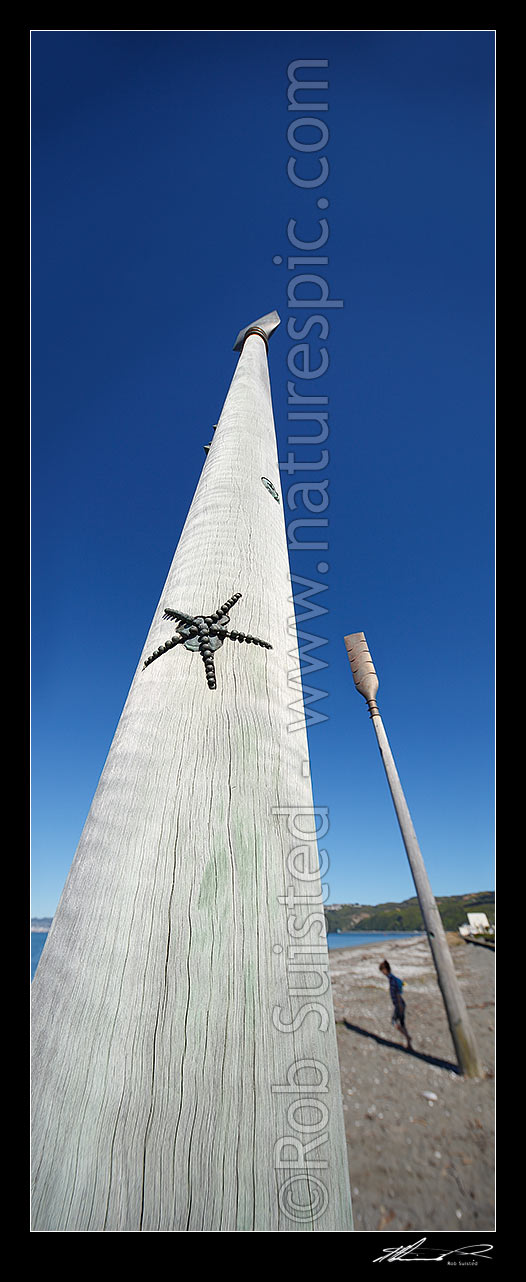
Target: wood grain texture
{"x": 181, "y": 1029}
{"x": 455, "y": 1006}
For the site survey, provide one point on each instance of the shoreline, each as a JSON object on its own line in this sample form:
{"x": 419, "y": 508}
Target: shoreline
{"x": 395, "y": 942}
{"x": 356, "y": 939}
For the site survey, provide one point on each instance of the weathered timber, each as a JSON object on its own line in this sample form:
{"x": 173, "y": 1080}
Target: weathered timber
{"x": 185, "y": 1072}
{"x": 366, "y": 682}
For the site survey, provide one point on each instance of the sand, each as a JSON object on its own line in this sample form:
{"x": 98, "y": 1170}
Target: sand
{"x": 420, "y": 1137}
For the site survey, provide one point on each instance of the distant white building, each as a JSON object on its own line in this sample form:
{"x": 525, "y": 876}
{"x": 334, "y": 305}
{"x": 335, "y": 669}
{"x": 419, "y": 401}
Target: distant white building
{"x": 477, "y": 924}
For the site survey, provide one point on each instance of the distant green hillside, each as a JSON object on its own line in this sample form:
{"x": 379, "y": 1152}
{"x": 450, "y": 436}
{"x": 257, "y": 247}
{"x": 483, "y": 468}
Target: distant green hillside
{"x": 453, "y": 910}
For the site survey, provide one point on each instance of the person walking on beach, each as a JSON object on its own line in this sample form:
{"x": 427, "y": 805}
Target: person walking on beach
{"x": 395, "y": 988}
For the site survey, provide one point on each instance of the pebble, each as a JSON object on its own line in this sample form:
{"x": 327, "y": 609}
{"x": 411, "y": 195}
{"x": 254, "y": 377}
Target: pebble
{"x": 429, "y": 1095}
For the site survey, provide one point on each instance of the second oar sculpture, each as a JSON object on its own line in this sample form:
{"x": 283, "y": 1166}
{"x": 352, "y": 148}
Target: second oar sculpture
{"x": 366, "y": 681}
{"x": 186, "y": 1072}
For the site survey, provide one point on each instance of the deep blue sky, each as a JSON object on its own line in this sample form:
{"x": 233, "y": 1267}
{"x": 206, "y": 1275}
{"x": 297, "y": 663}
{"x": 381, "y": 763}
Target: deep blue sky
{"x": 160, "y": 198}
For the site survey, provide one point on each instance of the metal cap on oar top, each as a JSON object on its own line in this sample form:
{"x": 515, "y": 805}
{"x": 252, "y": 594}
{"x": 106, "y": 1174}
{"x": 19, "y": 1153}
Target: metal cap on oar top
{"x": 265, "y": 327}
{"x": 363, "y": 670}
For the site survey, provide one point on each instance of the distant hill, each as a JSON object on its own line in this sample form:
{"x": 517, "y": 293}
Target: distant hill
{"x": 40, "y": 924}
{"x": 453, "y": 910}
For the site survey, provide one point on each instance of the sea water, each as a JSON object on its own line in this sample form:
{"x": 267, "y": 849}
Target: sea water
{"x": 350, "y": 939}
{"x": 38, "y": 939}
{"x": 357, "y": 938}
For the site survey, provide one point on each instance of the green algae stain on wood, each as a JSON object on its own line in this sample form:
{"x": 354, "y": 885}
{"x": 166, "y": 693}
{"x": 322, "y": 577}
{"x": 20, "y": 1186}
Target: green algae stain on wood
{"x": 215, "y": 890}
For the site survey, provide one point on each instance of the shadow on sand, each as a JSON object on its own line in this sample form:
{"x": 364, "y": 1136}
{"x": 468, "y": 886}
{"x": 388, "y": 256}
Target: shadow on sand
{"x": 395, "y": 1046}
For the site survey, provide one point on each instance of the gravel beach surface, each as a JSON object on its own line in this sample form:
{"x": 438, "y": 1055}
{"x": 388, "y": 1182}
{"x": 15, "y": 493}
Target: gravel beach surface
{"x": 420, "y": 1137}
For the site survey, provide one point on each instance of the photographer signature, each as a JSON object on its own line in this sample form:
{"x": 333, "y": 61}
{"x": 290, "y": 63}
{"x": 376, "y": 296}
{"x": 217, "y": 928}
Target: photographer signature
{"x": 414, "y": 1252}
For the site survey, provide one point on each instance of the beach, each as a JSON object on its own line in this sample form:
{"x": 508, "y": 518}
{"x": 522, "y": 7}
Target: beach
{"x": 420, "y": 1137}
